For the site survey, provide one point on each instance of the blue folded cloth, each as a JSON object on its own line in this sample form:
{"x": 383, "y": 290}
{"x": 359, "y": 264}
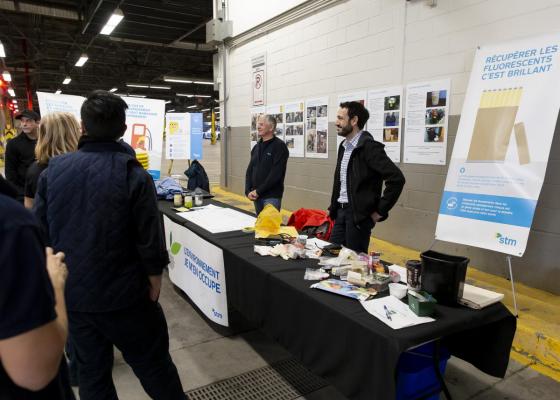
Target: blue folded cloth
{"x": 167, "y": 187}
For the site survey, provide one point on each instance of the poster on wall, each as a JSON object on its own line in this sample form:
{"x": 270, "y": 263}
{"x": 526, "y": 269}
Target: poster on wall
{"x": 294, "y": 128}
{"x": 256, "y": 112}
{"x": 503, "y": 142}
{"x": 197, "y": 268}
{"x": 145, "y": 120}
{"x": 355, "y": 96}
{"x": 277, "y": 111}
{"x": 258, "y": 79}
{"x": 183, "y": 136}
{"x": 427, "y": 108}
{"x": 50, "y": 102}
{"x": 385, "y": 114}
{"x": 317, "y": 128}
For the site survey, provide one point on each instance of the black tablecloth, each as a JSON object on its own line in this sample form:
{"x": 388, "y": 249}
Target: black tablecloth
{"x": 334, "y": 336}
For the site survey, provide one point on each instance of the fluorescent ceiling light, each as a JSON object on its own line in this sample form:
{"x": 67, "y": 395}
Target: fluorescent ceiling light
{"x": 160, "y": 87}
{"x": 66, "y": 80}
{"x": 168, "y": 101}
{"x": 193, "y": 106}
{"x": 137, "y": 95}
{"x": 171, "y": 110}
{"x": 203, "y": 95}
{"x": 113, "y": 90}
{"x": 2, "y": 51}
{"x": 206, "y": 109}
{"x": 82, "y": 60}
{"x": 139, "y": 85}
{"x": 14, "y": 101}
{"x": 11, "y": 92}
{"x": 6, "y": 76}
{"x": 114, "y": 20}
{"x": 203, "y": 83}
{"x": 176, "y": 79}
{"x": 184, "y": 95}
{"x": 58, "y": 91}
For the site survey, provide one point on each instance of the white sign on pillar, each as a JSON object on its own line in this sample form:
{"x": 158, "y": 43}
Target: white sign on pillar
{"x": 258, "y": 65}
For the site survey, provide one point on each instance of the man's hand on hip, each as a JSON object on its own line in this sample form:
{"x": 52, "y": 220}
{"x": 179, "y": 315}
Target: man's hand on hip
{"x": 155, "y": 287}
{"x": 376, "y": 217}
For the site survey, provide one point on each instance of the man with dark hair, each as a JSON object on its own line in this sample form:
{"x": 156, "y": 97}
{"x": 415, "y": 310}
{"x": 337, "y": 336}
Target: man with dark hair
{"x": 357, "y": 201}
{"x": 264, "y": 179}
{"x": 20, "y": 151}
{"x": 99, "y": 207}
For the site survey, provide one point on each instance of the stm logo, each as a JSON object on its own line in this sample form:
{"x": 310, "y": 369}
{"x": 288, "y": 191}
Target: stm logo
{"x": 505, "y": 240}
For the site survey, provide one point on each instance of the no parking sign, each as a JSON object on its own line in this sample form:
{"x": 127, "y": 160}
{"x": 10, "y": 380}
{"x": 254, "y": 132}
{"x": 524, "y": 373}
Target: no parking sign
{"x": 258, "y": 65}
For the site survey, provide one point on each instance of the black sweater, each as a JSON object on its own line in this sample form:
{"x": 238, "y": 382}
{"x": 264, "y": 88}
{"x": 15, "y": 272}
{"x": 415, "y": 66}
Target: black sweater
{"x": 267, "y": 168}
{"x": 20, "y": 154}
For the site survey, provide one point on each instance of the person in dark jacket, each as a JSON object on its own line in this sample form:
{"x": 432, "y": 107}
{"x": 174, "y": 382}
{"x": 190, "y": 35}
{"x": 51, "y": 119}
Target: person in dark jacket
{"x": 20, "y": 151}
{"x": 264, "y": 180}
{"x": 358, "y": 200}
{"x": 98, "y": 205}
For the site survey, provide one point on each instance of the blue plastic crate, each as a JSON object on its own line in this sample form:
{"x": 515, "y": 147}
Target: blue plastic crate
{"x": 415, "y": 373}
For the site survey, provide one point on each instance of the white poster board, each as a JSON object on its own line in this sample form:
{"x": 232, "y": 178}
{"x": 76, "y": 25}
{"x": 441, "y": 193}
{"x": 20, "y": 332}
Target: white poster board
{"x": 258, "y": 79}
{"x": 178, "y": 139}
{"x": 256, "y": 113}
{"x": 294, "y": 128}
{"x": 502, "y": 146}
{"x": 197, "y": 267}
{"x": 145, "y": 120}
{"x": 427, "y": 108}
{"x": 50, "y": 102}
{"x": 385, "y": 114}
{"x": 360, "y": 97}
{"x": 317, "y": 128}
{"x": 277, "y": 111}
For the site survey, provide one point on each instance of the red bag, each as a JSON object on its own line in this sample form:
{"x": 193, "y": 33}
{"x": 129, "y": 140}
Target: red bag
{"x": 313, "y": 223}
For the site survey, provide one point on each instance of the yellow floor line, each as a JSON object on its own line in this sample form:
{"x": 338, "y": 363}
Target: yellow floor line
{"x": 537, "y": 340}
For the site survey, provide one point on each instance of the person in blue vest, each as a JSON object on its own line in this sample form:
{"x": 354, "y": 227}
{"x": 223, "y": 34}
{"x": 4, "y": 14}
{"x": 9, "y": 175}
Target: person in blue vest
{"x": 98, "y": 206}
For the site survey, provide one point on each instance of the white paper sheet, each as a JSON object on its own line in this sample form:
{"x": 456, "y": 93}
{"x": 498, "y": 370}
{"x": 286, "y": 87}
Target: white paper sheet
{"x": 401, "y": 315}
{"x": 218, "y": 219}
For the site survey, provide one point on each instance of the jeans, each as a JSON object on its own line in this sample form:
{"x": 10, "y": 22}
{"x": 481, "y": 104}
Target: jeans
{"x": 260, "y": 203}
{"x": 346, "y": 233}
{"x": 140, "y": 333}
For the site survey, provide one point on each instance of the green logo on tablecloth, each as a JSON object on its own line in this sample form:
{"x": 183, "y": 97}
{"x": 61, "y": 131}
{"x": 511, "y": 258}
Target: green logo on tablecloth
{"x": 175, "y": 246}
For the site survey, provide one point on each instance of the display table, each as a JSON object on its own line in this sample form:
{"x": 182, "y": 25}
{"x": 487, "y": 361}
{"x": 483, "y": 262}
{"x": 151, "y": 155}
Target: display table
{"x": 334, "y": 336}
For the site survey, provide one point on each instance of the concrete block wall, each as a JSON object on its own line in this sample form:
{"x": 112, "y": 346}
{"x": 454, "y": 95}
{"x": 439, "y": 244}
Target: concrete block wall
{"x": 363, "y": 44}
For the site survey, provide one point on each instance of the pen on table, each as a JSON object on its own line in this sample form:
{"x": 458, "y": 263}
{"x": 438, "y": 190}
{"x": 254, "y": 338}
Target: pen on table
{"x": 387, "y": 313}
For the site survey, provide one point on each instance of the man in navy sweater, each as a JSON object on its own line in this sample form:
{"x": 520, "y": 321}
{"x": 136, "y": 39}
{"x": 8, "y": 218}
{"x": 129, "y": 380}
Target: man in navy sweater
{"x": 99, "y": 207}
{"x": 264, "y": 179}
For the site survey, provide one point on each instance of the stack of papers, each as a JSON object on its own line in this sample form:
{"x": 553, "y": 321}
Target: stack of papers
{"x": 394, "y": 312}
{"x": 218, "y": 219}
{"x": 477, "y": 298}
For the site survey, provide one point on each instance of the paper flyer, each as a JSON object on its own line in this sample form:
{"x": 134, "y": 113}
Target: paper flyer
{"x": 256, "y": 112}
{"x": 427, "y": 108}
{"x": 502, "y": 147}
{"x": 183, "y": 136}
{"x": 294, "y": 128}
{"x": 277, "y": 111}
{"x": 317, "y": 128}
{"x": 50, "y": 102}
{"x": 385, "y": 115}
{"x": 360, "y": 96}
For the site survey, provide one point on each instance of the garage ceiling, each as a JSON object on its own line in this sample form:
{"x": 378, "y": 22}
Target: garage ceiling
{"x": 156, "y": 38}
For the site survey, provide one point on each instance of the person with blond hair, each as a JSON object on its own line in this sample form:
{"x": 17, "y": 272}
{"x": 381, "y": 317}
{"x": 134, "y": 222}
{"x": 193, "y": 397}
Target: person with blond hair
{"x": 59, "y": 133}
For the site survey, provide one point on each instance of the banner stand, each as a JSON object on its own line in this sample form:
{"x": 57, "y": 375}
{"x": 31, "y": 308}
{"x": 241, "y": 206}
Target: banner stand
{"x": 514, "y": 295}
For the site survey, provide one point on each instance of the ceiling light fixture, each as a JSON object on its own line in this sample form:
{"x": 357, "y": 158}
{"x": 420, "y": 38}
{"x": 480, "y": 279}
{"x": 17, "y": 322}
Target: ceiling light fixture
{"x": 177, "y": 79}
{"x": 206, "y": 109}
{"x": 11, "y": 92}
{"x": 137, "y": 85}
{"x": 171, "y": 110}
{"x": 58, "y": 91}
{"x": 6, "y": 76}
{"x": 66, "y": 80}
{"x": 203, "y": 95}
{"x": 184, "y": 94}
{"x": 193, "y": 106}
{"x": 114, "y": 20}
{"x": 113, "y": 90}
{"x": 137, "y": 95}
{"x": 168, "y": 101}
{"x": 203, "y": 82}
{"x": 82, "y": 60}
{"x": 2, "y": 51}
{"x": 160, "y": 87}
